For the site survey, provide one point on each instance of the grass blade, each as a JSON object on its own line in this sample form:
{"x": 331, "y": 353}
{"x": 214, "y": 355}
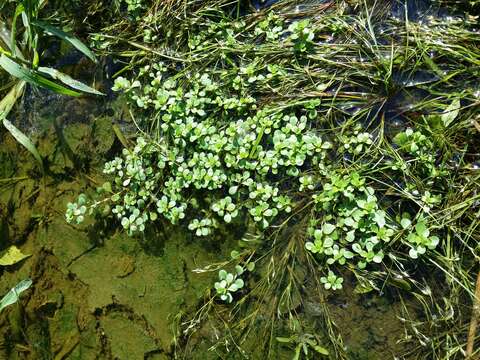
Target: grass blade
{"x": 66, "y": 37}
{"x": 33, "y": 78}
{"x": 24, "y": 140}
{"x": 14, "y": 294}
{"x": 67, "y": 80}
{"x": 6, "y": 104}
{"x": 5, "y": 37}
{"x": 451, "y": 112}
{"x": 20, "y": 9}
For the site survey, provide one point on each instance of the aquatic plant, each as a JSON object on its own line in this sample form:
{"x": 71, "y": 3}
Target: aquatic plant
{"x": 342, "y": 143}
{"x": 133, "y": 6}
{"x": 21, "y": 59}
{"x": 229, "y": 283}
{"x": 76, "y": 211}
{"x": 302, "y": 344}
{"x": 331, "y": 281}
{"x": 350, "y": 222}
{"x": 212, "y": 153}
{"x": 14, "y": 294}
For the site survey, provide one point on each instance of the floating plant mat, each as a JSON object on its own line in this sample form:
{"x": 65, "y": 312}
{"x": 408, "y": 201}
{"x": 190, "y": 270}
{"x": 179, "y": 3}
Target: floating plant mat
{"x": 330, "y": 143}
{"x": 302, "y": 184}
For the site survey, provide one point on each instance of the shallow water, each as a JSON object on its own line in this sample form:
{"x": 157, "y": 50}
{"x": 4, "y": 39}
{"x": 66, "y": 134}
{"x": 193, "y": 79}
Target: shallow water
{"x": 99, "y": 294}
{"x": 96, "y": 293}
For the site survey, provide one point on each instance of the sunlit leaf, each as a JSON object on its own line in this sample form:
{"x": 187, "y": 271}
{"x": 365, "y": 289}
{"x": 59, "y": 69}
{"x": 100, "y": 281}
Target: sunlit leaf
{"x": 320, "y": 349}
{"x": 14, "y": 294}
{"x": 31, "y": 77}
{"x": 67, "y": 80}
{"x": 9, "y": 100}
{"x": 284, "y": 340}
{"x": 66, "y": 37}
{"x": 24, "y": 140}
{"x": 12, "y": 256}
{"x": 451, "y": 112}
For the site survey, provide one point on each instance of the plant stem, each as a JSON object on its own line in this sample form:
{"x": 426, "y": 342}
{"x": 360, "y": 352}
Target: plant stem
{"x": 474, "y": 320}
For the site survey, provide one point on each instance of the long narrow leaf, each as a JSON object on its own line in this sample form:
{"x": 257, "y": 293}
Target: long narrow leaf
{"x": 5, "y": 37}
{"x": 451, "y": 112}
{"x": 33, "y": 78}
{"x": 67, "y": 80}
{"x": 20, "y": 9}
{"x": 66, "y": 37}
{"x": 6, "y": 104}
{"x": 14, "y": 294}
{"x": 25, "y": 141}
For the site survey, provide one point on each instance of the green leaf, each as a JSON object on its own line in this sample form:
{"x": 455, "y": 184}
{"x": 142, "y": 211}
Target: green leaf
{"x": 9, "y": 100}
{"x": 434, "y": 121}
{"x": 298, "y": 348}
{"x": 239, "y": 270}
{"x": 284, "y": 340}
{"x": 75, "y": 42}
{"x": 380, "y": 218}
{"x": 222, "y": 274}
{"x": 400, "y": 139}
{"x": 13, "y": 46}
{"x": 328, "y": 228}
{"x": 328, "y": 242}
{"x": 422, "y": 229}
{"x": 12, "y": 256}
{"x": 405, "y": 223}
{"x": 25, "y": 141}
{"x": 350, "y": 222}
{"x": 319, "y": 349}
{"x": 451, "y": 112}
{"x": 32, "y": 77}
{"x": 362, "y": 288}
{"x": 67, "y": 80}
{"x": 6, "y": 36}
{"x": 107, "y": 186}
{"x": 400, "y": 283}
{"x": 14, "y": 294}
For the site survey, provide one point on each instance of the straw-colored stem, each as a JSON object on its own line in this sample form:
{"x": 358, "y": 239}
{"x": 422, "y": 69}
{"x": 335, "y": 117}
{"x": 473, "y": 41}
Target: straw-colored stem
{"x": 474, "y": 320}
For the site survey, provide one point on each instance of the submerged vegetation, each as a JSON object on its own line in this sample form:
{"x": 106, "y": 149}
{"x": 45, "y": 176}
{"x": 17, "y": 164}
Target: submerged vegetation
{"x": 336, "y": 142}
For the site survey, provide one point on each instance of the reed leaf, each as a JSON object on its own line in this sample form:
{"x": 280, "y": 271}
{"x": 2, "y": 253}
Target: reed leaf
{"x": 32, "y": 77}
{"x": 14, "y": 294}
{"x": 6, "y": 104}
{"x": 75, "y": 42}
{"x": 67, "y": 80}
{"x": 20, "y": 9}
{"x": 25, "y": 141}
